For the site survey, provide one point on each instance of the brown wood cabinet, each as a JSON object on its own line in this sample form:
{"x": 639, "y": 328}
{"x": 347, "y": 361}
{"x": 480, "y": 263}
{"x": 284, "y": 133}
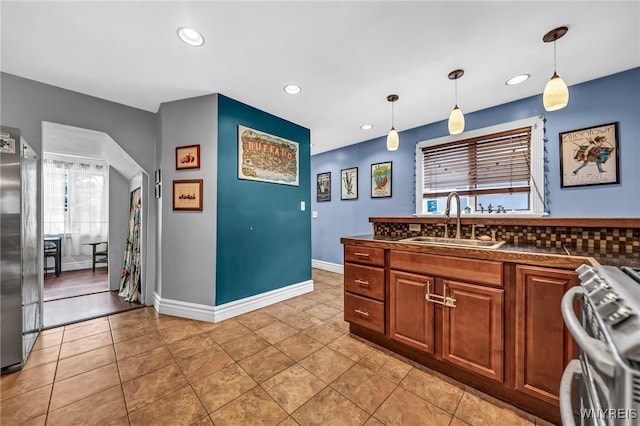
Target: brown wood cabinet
{"x": 364, "y": 311}
{"x": 411, "y": 317}
{"x": 364, "y": 287}
{"x": 473, "y": 332}
{"x": 543, "y": 345}
{"x": 495, "y": 325}
{"x": 364, "y": 280}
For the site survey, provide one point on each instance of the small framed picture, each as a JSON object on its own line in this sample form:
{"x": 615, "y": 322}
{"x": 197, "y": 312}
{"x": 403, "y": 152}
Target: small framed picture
{"x": 158, "y": 176}
{"x": 187, "y": 195}
{"x": 187, "y": 157}
{"x": 590, "y": 156}
{"x": 324, "y": 186}
{"x": 381, "y": 179}
{"x": 349, "y": 184}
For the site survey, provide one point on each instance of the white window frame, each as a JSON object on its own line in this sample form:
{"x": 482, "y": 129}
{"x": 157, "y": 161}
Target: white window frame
{"x": 537, "y": 191}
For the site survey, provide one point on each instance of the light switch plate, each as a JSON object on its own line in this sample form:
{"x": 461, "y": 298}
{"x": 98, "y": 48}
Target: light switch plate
{"x": 415, "y": 227}
{"x": 314, "y": 214}
{"x": 302, "y": 206}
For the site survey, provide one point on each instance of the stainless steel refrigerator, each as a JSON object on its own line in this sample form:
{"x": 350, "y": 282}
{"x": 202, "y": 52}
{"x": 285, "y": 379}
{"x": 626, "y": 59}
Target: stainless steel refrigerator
{"x": 20, "y": 248}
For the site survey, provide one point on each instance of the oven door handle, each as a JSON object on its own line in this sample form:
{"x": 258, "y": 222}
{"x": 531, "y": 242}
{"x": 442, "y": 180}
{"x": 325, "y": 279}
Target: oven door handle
{"x": 596, "y": 351}
{"x": 572, "y": 370}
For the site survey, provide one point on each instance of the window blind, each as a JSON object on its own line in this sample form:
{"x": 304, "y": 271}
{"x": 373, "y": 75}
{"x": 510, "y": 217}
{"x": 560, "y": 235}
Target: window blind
{"x": 497, "y": 163}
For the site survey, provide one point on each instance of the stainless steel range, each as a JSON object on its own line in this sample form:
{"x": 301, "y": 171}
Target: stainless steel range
{"x": 602, "y": 386}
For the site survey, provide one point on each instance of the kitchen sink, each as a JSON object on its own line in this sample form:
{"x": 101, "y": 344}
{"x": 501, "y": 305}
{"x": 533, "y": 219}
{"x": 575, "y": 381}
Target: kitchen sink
{"x": 457, "y": 242}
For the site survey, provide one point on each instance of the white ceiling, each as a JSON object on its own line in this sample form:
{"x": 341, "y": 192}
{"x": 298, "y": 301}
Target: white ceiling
{"x": 347, "y": 56}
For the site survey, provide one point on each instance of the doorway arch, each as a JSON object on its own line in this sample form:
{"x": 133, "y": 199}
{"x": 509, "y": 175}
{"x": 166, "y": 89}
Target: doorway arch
{"x": 80, "y": 142}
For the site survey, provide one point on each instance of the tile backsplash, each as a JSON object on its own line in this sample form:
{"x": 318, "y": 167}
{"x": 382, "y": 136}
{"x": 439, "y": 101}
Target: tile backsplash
{"x": 592, "y": 239}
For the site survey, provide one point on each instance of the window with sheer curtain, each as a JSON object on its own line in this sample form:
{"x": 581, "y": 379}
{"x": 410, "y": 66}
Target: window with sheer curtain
{"x": 76, "y": 200}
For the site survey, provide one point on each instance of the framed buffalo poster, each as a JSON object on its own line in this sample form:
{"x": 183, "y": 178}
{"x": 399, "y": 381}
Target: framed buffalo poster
{"x": 267, "y": 158}
{"x": 589, "y": 156}
{"x": 381, "y": 180}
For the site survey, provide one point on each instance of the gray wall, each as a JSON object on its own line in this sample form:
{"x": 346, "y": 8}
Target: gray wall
{"x": 118, "y": 224}
{"x": 25, "y": 104}
{"x": 188, "y": 252}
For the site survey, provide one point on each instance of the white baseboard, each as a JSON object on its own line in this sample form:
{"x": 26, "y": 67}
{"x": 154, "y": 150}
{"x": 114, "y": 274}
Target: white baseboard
{"x": 228, "y": 310}
{"x": 327, "y": 266}
{"x": 75, "y": 266}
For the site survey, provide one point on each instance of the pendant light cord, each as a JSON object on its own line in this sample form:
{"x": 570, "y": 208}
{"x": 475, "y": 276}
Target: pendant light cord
{"x": 392, "y": 116}
{"x": 554, "y": 56}
{"x": 456, "y": 92}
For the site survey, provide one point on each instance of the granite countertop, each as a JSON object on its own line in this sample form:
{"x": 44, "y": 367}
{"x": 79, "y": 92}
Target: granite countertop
{"x": 551, "y": 256}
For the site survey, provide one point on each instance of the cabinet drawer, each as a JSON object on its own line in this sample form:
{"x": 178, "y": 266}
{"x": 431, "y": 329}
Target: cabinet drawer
{"x": 487, "y": 272}
{"x": 367, "y": 255}
{"x": 365, "y": 312}
{"x": 364, "y": 280}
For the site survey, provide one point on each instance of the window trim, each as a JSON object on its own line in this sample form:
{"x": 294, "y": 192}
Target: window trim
{"x": 537, "y": 192}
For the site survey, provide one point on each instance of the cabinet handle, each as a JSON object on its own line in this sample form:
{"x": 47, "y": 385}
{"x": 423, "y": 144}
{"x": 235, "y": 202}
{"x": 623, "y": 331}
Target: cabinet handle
{"x": 361, "y": 254}
{"x": 448, "y": 301}
{"x": 433, "y": 298}
{"x": 438, "y": 299}
{"x": 363, "y": 313}
{"x": 362, "y": 283}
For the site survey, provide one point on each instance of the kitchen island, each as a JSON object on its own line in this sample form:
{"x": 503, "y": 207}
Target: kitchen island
{"x": 489, "y": 318}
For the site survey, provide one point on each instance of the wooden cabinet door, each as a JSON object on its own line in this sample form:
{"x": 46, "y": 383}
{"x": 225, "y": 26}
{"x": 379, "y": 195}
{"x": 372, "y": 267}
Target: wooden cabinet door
{"x": 411, "y": 316}
{"x": 543, "y": 344}
{"x": 473, "y": 330}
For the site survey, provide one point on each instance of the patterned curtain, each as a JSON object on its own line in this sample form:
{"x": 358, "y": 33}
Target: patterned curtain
{"x": 130, "y": 275}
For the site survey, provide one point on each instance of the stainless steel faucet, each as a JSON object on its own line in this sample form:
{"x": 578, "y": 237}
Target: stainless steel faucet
{"x": 448, "y": 211}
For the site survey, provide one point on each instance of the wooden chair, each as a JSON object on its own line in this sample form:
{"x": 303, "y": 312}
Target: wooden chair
{"x": 51, "y": 249}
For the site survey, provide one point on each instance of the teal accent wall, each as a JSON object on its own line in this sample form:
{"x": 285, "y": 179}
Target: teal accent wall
{"x": 264, "y": 239}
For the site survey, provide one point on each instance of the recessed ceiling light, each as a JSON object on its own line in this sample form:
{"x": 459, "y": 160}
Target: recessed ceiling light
{"x": 292, "y": 89}
{"x": 517, "y": 79}
{"x": 190, "y": 36}
{"x": 366, "y": 126}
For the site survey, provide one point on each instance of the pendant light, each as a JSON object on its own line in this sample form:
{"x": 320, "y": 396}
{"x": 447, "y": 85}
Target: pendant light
{"x": 393, "y": 140}
{"x": 556, "y": 92}
{"x": 456, "y": 118}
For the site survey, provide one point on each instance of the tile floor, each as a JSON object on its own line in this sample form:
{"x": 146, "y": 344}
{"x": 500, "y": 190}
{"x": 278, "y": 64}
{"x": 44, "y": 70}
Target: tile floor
{"x": 288, "y": 364}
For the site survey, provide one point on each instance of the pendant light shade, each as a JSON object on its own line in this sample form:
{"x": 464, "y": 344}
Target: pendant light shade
{"x": 456, "y": 118}
{"x": 456, "y": 121}
{"x": 393, "y": 139}
{"x": 556, "y": 92}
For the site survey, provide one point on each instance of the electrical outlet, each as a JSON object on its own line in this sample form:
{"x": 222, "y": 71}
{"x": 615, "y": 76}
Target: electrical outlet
{"x": 314, "y": 214}
{"x": 415, "y": 227}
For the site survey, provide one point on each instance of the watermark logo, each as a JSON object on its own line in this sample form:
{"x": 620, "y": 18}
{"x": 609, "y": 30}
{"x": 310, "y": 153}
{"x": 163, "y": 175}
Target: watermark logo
{"x": 609, "y": 413}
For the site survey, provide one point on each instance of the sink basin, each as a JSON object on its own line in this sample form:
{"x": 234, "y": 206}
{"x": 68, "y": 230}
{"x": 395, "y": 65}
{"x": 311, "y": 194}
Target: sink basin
{"x": 457, "y": 242}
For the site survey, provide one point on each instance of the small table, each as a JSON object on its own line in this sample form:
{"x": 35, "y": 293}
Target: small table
{"x": 96, "y": 253}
